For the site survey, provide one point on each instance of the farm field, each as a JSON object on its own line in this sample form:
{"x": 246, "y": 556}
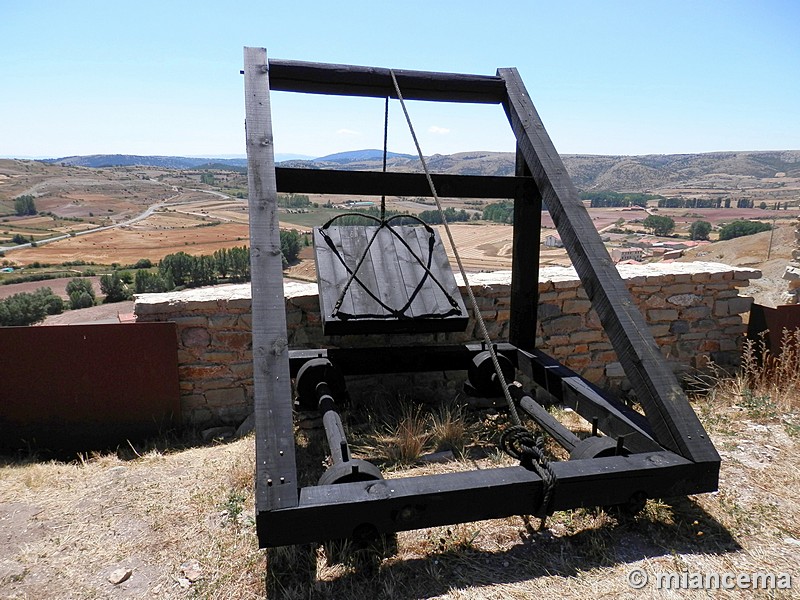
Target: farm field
{"x": 124, "y": 214}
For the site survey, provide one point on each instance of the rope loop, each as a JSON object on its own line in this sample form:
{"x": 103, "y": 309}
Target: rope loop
{"x": 528, "y": 448}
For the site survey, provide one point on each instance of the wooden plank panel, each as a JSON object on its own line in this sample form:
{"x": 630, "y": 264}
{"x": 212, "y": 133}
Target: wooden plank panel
{"x": 376, "y": 183}
{"x": 331, "y": 275}
{"x": 276, "y": 467}
{"x": 355, "y": 240}
{"x": 411, "y": 272}
{"x": 444, "y": 273}
{"x": 386, "y": 266}
{"x": 674, "y": 422}
{"x": 353, "y": 80}
{"x": 391, "y": 274}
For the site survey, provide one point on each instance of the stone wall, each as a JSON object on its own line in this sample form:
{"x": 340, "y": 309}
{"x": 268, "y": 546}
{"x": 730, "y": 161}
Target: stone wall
{"x": 694, "y": 311}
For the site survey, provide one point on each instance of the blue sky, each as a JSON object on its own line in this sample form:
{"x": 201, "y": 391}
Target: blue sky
{"x": 607, "y": 77}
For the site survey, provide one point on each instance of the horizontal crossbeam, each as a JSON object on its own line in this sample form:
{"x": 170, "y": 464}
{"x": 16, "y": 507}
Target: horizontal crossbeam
{"x": 346, "y": 510}
{"x": 372, "y": 183}
{"x": 396, "y": 359}
{"x": 351, "y": 80}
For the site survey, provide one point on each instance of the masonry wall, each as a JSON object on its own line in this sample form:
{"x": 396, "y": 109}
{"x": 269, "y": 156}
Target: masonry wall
{"x": 694, "y": 311}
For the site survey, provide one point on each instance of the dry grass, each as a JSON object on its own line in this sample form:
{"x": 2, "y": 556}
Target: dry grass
{"x": 766, "y": 388}
{"x": 65, "y": 526}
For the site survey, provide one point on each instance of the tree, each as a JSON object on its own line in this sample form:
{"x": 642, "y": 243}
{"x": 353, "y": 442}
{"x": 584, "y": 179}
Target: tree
{"x": 699, "y": 230}
{"x": 143, "y": 263}
{"x": 222, "y": 262}
{"x": 293, "y": 201}
{"x": 499, "y": 212}
{"x": 741, "y": 228}
{"x": 239, "y": 263}
{"x": 207, "y": 178}
{"x": 24, "y": 205}
{"x": 115, "y": 288}
{"x": 203, "y": 271}
{"x": 290, "y": 245}
{"x": 147, "y": 283}
{"x": 29, "y": 308}
{"x": 81, "y": 293}
{"x": 661, "y": 226}
{"x": 178, "y": 265}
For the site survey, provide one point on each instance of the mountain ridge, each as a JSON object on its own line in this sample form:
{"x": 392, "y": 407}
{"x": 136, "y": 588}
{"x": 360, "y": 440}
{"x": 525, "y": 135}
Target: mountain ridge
{"x": 621, "y": 173}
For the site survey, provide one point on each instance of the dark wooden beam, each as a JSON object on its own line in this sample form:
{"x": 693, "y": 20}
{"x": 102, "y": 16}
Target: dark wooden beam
{"x": 525, "y": 261}
{"x": 335, "y": 511}
{"x": 397, "y": 359}
{"x": 276, "y": 470}
{"x": 567, "y": 387}
{"x": 375, "y": 183}
{"x": 351, "y": 80}
{"x": 674, "y": 422}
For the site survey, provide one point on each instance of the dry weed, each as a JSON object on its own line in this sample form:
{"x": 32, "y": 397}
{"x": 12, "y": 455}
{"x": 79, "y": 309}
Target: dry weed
{"x": 449, "y": 428}
{"x": 65, "y": 526}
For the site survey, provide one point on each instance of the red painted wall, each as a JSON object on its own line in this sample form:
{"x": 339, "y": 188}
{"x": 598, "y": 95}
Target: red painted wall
{"x": 87, "y": 386}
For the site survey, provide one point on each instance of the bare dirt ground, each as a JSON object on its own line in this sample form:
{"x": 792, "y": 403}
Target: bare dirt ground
{"x": 103, "y": 313}
{"x": 752, "y": 251}
{"x": 179, "y": 524}
{"x": 59, "y": 287}
{"x": 128, "y": 245}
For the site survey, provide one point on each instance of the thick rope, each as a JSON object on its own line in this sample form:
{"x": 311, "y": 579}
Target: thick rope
{"x": 517, "y": 441}
{"x": 528, "y": 448}
{"x": 473, "y": 302}
{"x": 385, "y": 151}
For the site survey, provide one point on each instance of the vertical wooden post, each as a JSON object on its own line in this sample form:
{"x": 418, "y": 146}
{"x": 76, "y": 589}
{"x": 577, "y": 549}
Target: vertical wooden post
{"x": 674, "y": 423}
{"x": 525, "y": 262}
{"x": 276, "y": 469}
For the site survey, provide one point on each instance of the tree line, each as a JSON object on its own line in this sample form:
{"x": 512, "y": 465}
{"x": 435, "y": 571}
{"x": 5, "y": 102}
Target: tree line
{"x": 230, "y": 264}
{"x": 499, "y": 212}
{"x": 173, "y": 271}
{"x": 28, "y": 308}
{"x": 617, "y": 199}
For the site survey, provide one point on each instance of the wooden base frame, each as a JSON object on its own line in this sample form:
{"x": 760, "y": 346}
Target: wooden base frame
{"x": 667, "y": 452}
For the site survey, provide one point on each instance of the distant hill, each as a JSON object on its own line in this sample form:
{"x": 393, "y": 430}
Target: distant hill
{"x": 359, "y": 155}
{"x": 639, "y": 173}
{"x": 594, "y": 172}
{"x": 98, "y": 161}
{"x": 720, "y": 170}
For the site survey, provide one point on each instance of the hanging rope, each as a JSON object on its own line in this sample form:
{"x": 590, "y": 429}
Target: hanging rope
{"x": 473, "y": 302}
{"x": 385, "y": 151}
{"x": 528, "y": 448}
{"x": 383, "y": 222}
{"x": 518, "y": 442}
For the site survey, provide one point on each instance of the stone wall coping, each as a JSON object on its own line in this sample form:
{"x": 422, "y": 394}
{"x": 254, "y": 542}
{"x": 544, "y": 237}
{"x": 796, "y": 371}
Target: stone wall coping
{"x": 626, "y": 271}
{"x": 149, "y": 303}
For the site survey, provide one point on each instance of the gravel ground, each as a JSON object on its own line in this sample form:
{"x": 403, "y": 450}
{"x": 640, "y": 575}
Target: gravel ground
{"x": 104, "y": 313}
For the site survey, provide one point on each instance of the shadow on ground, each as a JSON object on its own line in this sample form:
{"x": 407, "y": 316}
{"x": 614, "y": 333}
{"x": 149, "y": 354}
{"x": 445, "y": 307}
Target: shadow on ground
{"x": 621, "y": 540}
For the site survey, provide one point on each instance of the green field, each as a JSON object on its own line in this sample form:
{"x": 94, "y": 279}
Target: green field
{"x": 314, "y": 217}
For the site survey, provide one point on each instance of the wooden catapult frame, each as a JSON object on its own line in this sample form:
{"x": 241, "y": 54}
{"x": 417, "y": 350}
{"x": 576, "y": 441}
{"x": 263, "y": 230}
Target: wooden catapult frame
{"x": 668, "y": 453}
